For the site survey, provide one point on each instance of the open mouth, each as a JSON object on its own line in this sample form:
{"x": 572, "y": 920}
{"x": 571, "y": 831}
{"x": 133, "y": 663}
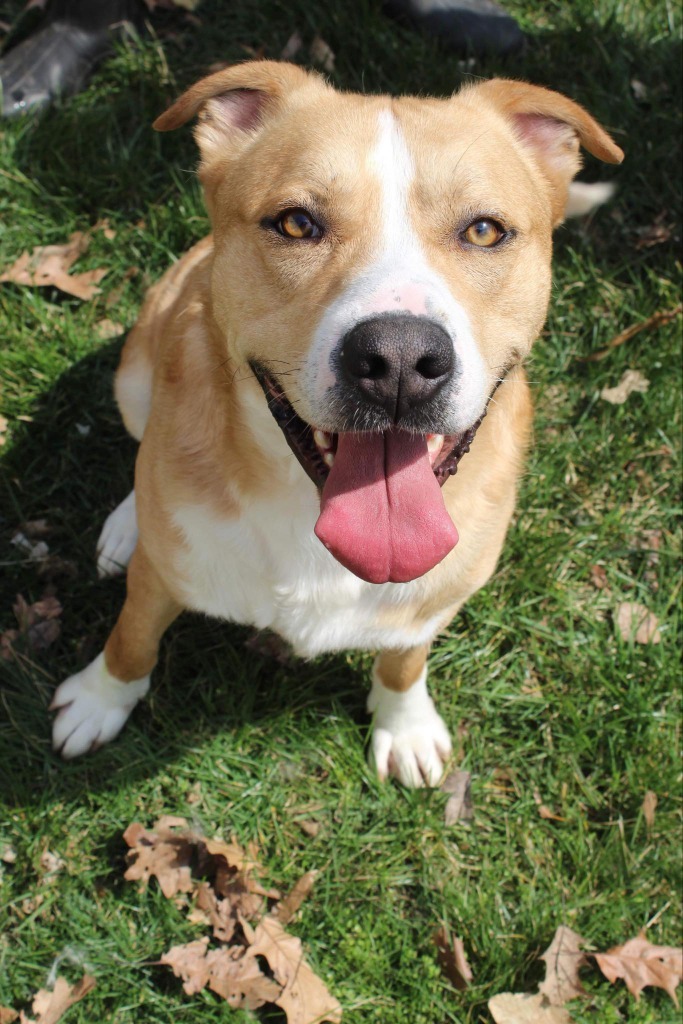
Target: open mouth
{"x": 316, "y": 449}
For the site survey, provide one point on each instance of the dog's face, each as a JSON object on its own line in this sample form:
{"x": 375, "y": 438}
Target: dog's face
{"x": 380, "y": 264}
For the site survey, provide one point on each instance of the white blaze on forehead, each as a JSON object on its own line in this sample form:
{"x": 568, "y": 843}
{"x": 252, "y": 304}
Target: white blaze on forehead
{"x": 398, "y": 279}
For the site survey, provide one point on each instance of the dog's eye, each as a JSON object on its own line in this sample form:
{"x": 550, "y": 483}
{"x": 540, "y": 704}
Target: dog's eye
{"x": 297, "y": 224}
{"x": 484, "y": 233}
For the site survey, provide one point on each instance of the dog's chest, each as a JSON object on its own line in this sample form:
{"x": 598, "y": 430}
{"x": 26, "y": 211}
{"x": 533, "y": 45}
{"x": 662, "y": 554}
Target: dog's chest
{"x": 269, "y": 570}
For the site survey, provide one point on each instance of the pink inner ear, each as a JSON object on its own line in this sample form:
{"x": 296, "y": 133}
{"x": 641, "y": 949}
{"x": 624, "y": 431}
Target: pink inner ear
{"x": 239, "y": 108}
{"x": 545, "y": 133}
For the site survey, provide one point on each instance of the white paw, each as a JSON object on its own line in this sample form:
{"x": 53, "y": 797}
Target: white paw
{"x": 118, "y": 539}
{"x": 409, "y": 737}
{"x": 93, "y": 707}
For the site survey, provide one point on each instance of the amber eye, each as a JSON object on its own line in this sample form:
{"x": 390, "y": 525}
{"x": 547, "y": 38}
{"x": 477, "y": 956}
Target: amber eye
{"x": 484, "y": 233}
{"x": 297, "y": 224}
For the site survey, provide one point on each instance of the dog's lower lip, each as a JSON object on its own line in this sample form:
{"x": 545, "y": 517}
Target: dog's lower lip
{"x": 315, "y": 448}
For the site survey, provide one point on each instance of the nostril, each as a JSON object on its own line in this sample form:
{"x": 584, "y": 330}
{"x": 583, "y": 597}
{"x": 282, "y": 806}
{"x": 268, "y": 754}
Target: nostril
{"x": 433, "y": 366}
{"x": 364, "y": 365}
{"x": 377, "y": 367}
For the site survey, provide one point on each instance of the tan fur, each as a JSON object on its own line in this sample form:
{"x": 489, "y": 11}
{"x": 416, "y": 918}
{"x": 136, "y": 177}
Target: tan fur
{"x": 238, "y": 296}
{"x": 398, "y": 670}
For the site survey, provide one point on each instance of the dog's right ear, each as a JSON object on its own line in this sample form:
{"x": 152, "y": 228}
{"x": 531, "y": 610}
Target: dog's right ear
{"x": 233, "y": 103}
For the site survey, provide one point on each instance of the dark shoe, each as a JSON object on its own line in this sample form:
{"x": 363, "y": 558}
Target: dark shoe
{"x": 475, "y": 28}
{"x": 58, "y": 58}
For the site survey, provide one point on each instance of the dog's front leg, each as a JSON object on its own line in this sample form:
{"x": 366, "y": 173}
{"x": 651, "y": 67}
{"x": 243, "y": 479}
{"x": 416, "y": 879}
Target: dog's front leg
{"x": 94, "y": 704}
{"x": 409, "y": 737}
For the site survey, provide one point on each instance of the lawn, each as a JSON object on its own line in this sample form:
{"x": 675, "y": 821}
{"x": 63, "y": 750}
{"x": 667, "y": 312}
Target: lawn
{"x": 549, "y": 703}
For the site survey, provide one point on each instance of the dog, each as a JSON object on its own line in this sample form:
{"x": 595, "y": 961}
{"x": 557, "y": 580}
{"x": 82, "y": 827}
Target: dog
{"x": 306, "y": 381}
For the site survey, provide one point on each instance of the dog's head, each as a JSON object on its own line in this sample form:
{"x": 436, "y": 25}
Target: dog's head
{"x": 381, "y": 264}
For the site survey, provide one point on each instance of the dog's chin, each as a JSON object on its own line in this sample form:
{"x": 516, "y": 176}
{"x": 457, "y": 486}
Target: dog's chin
{"x": 315, "y": 449}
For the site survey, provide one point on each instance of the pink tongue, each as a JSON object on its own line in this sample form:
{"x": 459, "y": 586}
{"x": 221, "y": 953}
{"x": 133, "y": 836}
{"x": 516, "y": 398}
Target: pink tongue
{"x": 382, "y": 514}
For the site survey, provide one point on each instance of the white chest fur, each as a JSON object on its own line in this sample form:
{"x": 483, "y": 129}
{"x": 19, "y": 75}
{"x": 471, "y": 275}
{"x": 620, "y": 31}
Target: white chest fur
{"x": 269, "y": 570}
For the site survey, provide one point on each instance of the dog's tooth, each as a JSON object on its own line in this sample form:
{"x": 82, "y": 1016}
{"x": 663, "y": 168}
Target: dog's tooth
{"x": 435, "y": 442}
{"x": 328, "y": 458}
{"x": 322, "y": 439}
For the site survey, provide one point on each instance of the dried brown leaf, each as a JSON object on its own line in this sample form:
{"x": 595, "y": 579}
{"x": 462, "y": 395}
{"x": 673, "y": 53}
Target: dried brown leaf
{"x": 227, "y": 971}
{"x": 452, "y": 959}
{"x": 285, "y": 910}
{"x": 240, "y": 981}
{"x": 639, "y": 963}
{"x": 50, "y": 265}
{"x": 649, "y": 806}
{"x": 292, "y": 46}
{"x": 163, "y": 853}
{"x": 224, "y": 914}
{"x": 3, "y": 430}
{"x": 543, "y": 810}
{"x": 563, "y": 958}
{"x": 188, "y": 962}
{"x": 599, "y": 577}
{"x": 51, "y": 1006}
{"x": 105, "y": 329}
{"x": 309, "y": 827}
{"x": 631, "y": 380}
{"x": 304, "y": 997}
{"x": 7, "y": 1016}
{"x": 322, "y": 54}
{"x": 38, "y": 624}
{"x": 459, "y": 804}
{"x": 518, "y": 1008}
{"x": 635, "y": 622}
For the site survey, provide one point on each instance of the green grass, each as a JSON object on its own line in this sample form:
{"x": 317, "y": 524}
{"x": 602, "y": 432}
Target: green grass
{"x": 533, "y": 676}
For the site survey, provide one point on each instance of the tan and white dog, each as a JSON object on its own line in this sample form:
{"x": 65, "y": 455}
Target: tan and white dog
{"x": 305, "y": 382}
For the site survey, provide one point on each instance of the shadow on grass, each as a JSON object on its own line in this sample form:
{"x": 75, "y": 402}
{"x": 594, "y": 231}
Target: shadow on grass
{"x": 207, "y": 679}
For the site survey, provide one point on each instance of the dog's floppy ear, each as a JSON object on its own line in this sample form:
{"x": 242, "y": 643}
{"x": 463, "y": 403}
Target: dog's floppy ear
{"x": 554, "y": 128}
{"x": 234, "y": 102}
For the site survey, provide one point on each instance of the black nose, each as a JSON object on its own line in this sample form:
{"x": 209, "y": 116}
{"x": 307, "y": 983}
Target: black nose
{"x": 398, "y": 361}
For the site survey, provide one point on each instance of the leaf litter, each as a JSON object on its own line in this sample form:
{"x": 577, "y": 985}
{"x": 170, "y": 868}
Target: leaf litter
{"x": 228, "y": 896}
{"x": 38, "y": 624}
{"x": 50, "y": 1005}
{"x": 51, "y": 265}
{"x": 637, "y": 962}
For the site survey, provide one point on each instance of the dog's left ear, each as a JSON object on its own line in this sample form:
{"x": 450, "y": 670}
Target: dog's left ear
{"x": 554, "y": 128}
{"x": 234, "y": 103}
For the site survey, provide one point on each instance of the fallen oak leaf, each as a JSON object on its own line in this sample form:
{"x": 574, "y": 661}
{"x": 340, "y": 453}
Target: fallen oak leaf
{"x": 635, "y": 622}
{"x": 226, "y": 971}
{"x": 188, "y": 962}
{"x": 51, "y": 1006}
{"x": 452, "y": 959}
{"x": 240, "y": 980}
{"x": 304, "y": 997}
{"x": 631, "y": 380}
{"x": 520, "y": 1008}
{"x": 459, "y": 804}
{"x": 640, "y": 964}
{"x": 322, "y": 54}
{"x": 292, "y": 46}
{"x": 285, "y": 910}
{"x": 50, "y": 265}
{"x": 224, "y": 914}
{"x": 163, "y": 854}
{"x": 38, "y": 625}
{"x": 563, "y": 959}
{"x": 106, "y": 329}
